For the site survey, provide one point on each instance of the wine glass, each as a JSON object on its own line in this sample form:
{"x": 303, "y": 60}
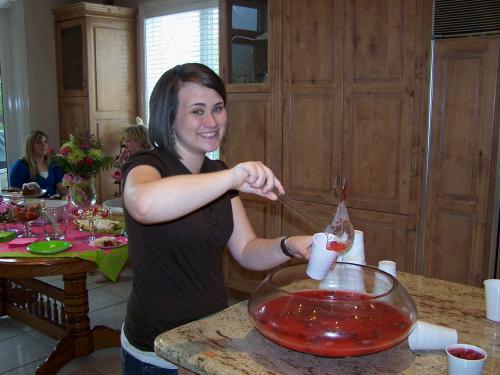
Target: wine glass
{"x": 25, "y": 213}
{"x": 90, "y": 214}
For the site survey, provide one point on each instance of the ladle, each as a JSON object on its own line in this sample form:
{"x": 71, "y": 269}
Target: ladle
{"x": 332, "y": 231}
{"x": 284, "y": 200}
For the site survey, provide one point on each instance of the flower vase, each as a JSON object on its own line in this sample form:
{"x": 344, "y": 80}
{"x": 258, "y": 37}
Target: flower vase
{"x": 82, "y": 192}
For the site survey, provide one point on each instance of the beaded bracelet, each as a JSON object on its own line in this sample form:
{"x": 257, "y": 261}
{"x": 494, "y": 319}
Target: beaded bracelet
{"x": 284, "y": 248}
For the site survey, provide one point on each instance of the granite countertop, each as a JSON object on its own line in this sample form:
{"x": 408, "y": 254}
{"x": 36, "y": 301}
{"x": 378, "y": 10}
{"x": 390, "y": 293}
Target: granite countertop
{"x": 226, "y": 343}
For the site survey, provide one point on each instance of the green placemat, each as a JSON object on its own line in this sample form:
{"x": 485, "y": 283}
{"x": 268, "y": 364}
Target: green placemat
{"x": 7, "y": 236}
{"x": 109, "y": 262}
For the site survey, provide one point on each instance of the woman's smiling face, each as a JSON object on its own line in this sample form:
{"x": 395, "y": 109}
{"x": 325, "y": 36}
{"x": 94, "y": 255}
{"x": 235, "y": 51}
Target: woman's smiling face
{"x": 201, "y": 120}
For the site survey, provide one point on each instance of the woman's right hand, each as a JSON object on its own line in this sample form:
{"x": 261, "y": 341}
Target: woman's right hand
{"x": 124, "y": 155}
{"x": 256, "y": 178}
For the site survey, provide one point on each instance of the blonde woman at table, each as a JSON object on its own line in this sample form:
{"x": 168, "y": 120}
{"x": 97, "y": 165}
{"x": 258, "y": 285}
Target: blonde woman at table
{"x": 182, "y": 209}
{"x": 37, "y": 166}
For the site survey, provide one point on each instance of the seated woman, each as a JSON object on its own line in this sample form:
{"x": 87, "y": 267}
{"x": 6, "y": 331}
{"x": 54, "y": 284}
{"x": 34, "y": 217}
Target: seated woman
{"x": 36, "y": 166}
{"x": 135, "y": 138}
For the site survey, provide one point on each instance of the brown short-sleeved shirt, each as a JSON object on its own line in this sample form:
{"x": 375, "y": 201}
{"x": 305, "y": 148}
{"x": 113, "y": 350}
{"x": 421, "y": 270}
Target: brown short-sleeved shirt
{"x": 178, "y": 274}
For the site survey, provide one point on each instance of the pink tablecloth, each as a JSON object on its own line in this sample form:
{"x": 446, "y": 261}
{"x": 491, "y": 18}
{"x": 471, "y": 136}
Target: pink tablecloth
{"x": 110, "y": 261}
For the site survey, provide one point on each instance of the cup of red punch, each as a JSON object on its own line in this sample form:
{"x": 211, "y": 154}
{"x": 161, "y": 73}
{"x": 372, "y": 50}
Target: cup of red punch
{"x": 464, "y": 359}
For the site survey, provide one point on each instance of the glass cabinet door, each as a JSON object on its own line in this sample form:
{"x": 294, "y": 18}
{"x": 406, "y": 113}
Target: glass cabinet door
{"x": 72, "y": 58}
{"x": 247, "y": 41}
{"x": 70, "y": 43}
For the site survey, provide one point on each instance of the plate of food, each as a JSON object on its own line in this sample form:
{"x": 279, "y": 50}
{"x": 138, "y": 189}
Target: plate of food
{"x": 103, "y": 225}
{"x": 92, "y": 212}
{"x": 20, "y": 195}
{"x": 109, "y": 242}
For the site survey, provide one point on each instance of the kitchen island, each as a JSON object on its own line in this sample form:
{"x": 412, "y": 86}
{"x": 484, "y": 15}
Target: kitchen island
{"x": 226, "y": 343}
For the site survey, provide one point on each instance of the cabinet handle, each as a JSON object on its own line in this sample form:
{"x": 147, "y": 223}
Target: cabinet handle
{"x": 343, "y": 196}
{"x": 335, "y": 182}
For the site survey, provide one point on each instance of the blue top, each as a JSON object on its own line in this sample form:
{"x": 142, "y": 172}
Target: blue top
{"x": 20, "y": 174}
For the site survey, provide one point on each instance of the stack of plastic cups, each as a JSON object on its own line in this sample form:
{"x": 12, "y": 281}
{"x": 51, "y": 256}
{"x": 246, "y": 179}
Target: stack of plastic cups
{"x": 356, "y": 253}
{"x": 492, "y": 296}
{"x": 388, "y": 266}
{"x": 382, "y": 284}
{"x": 351, "y": 279}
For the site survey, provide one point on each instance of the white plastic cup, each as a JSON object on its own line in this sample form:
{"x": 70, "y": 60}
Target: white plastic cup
{"x": 428, "y": 336}
{"x": 388, "y": 266}
{"x": 356, "y": 254}
{"x": 321, "y": 258}
{"x": 492, "y": 295}
{"x": 461, "y": 366}
{"x": 382, "y": 284}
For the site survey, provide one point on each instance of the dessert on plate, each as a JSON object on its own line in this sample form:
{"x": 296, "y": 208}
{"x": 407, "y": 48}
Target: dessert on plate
{"x": 107, "y": 241}
{"x": 31, "y": 189}
{"x": 100, "y": 224}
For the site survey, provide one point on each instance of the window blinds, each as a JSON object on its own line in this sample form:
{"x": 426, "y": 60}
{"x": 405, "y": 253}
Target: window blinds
{"x": 172, "y": 39}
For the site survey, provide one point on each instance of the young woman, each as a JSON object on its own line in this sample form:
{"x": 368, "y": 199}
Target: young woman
{"x": 182, "y": 209}
{"x": 36, "y": 166}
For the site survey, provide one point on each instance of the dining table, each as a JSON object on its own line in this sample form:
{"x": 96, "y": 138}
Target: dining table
{"x": 226, "y": 343}
{"x": 59, "y": 313}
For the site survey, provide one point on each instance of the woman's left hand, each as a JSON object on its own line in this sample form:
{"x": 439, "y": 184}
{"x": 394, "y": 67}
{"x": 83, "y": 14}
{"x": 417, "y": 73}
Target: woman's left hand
{"x": 299, "y": 246}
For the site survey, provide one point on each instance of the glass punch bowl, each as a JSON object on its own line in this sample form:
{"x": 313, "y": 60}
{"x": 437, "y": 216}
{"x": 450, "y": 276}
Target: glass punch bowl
{"x": 357, "y": 310}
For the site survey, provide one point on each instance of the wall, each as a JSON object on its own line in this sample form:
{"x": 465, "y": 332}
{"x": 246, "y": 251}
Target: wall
{"x": 32, "y": 75}
{"x": 41, "y": 68}
{"x": 29, "y": 72}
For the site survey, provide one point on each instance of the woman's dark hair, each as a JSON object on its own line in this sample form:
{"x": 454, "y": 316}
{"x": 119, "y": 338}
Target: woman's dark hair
{"x": 164, "y": 101}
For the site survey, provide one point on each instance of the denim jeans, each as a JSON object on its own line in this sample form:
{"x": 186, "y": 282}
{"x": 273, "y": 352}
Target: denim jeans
{"x": 132, "y": 366}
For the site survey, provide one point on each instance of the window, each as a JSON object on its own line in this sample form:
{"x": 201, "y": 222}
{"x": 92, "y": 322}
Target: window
{"x": 248, "y": 36}
{"x": 177, "y": 32}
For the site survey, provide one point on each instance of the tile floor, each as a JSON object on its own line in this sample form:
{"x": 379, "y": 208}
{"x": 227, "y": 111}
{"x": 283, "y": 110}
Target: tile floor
{"x": 23, "y": 349}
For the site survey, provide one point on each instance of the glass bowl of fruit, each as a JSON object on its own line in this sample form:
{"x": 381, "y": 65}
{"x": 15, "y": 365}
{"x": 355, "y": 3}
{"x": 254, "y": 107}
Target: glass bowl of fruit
{"x": 357, "y": 310}
{"x": 26, "y": 213}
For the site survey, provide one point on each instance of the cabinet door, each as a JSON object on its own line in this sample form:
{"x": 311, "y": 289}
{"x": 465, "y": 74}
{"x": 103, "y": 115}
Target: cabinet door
{"x": 312, "y": 99}
{"x": 249, "y": 136}
{"x": 71, "y": 57}
{"x": 379, "y": 61}
{"x": 461, "y": 159}
{"x": 73, "y": 116}
{"x": 112, "y": 87}
{"x": 112, "y": 78}
{"x": 385, "y": 236}
{"x": 109, "y": 132}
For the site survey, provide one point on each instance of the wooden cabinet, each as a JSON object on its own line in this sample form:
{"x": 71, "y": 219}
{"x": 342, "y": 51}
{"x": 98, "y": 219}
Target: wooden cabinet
{"x": 350, "y": 108}
{"x": 97, "y": 84}
{"x": 462, "y": 156}
{"x": 347, "y": 81}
